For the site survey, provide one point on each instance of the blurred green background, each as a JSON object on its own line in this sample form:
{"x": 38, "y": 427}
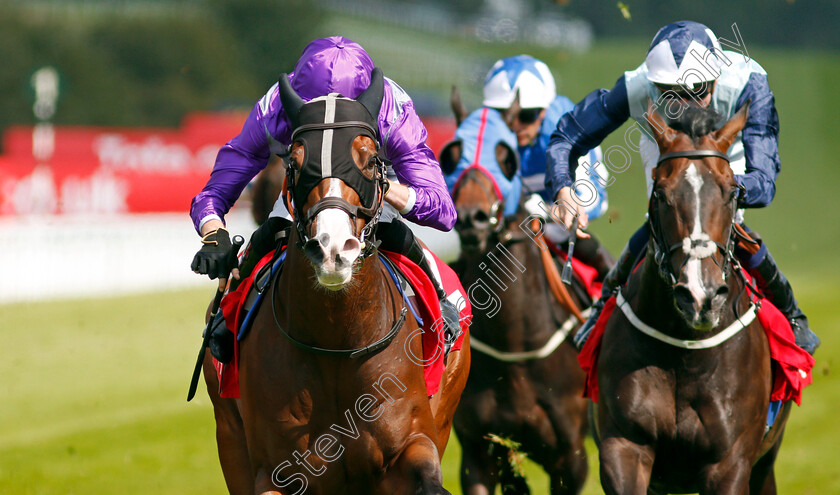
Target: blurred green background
{"x": 93, "y": 390}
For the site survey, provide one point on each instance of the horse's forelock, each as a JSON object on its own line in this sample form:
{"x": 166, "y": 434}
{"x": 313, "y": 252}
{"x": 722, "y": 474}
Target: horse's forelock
{"x": 695, "y": 121}
{"x": 475, "y": 188}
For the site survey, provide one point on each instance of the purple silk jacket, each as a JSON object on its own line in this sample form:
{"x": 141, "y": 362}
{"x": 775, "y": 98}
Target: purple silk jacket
{"x": 331, "y": 65}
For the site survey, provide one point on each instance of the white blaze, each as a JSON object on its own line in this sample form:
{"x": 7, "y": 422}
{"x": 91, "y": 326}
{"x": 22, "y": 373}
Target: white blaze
{"x": 334, "y": 222}
{"x": 698, "y": 245}
{"x": 335, "y": 227}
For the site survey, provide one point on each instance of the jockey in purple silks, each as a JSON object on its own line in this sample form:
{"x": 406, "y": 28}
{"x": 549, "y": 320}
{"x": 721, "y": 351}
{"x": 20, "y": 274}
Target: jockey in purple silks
{"x": 417, "y": 188}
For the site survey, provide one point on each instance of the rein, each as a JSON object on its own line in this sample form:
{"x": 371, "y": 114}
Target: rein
{"x": 552, "y": 274}
{"x": 560, "y": 293}
{"x": 551, "y": 345}
{"x": 351, "y": 353}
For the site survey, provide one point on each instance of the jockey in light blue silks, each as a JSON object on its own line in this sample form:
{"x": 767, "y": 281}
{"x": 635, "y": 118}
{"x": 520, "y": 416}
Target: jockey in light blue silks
{"x": 526, "y": 83}
{"x": 685, "y": 61}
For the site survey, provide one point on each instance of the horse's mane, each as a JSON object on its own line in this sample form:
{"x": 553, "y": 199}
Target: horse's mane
{"x": 695, "y": 121}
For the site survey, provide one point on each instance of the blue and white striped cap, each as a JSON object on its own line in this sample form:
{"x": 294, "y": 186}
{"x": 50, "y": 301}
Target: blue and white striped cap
{"x": 523, "y": 75}
{"x": 684, "y": 52}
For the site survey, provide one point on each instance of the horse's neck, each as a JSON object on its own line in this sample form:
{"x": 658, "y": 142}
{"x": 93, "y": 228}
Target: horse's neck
{"x": 334, "y": 319}
{"x": 516, "y": 294}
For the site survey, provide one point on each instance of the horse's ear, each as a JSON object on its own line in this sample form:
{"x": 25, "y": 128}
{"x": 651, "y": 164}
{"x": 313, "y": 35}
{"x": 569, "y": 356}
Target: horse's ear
{"x": 450, "y": 155}
{"x": 371, "y": 98}
{"x": 663, "y": 134}
{"x": 457, "y": 105}
{"x": 508, "y": 160}
{"x": 726, "y": 134}
{"x": 292, "y": 103}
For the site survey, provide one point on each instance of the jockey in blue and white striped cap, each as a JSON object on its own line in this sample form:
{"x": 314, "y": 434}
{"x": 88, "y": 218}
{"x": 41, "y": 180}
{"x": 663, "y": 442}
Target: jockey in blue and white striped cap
{"x": 528, "y": 82}
{"x": 685, "y": 60}
{"x": 522, "y": 91}
{"x": 683, "y": 53}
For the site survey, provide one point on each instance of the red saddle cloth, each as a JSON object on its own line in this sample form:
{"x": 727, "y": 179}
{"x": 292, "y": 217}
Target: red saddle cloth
{"x": 428, "y": 310}
{"x": 587, "y": 274}
{"x": 791, "y": 364}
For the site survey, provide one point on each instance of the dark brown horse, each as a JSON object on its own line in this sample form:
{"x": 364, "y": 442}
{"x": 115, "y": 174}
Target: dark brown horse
{"x": 331, "y": 402}
{"x": 525, "y": 384}
{"x": 683, "y": 410}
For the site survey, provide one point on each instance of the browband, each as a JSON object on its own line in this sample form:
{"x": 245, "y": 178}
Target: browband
{"x": 692, "y": 154}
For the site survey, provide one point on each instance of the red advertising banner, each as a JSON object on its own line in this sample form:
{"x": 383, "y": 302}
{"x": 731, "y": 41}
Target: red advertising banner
{"x": 122, "y": 170}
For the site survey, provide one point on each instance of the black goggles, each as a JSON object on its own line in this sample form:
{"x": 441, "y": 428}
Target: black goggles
{"x": 529, "y": 115}
{"x": 698, "y": 91}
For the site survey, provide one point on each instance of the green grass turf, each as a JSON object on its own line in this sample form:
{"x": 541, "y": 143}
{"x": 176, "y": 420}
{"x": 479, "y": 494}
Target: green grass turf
{"x": 94, "y": 401}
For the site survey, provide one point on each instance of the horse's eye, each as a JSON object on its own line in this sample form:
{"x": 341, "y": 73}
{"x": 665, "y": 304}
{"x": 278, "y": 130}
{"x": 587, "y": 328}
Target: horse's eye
{"x": 733, "y": 194}
{"x": 372, "y": 162}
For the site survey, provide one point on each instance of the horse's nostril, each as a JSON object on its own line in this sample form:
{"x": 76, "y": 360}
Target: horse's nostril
{"x": 682, "y": 291}
{"x": 324, "y": 239}
{"x": 480, "y": 218}
{"x": 313, "y": 250}
{"x": 349, "y": 251}
{"x": 683, "y": 295}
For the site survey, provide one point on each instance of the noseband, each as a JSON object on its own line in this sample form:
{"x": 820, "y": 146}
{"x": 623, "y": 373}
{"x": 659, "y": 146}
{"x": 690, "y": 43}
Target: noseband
{"x": 370, "y": 215}
{"x": 663, "y": 252}
{"x": 327, "y": 127}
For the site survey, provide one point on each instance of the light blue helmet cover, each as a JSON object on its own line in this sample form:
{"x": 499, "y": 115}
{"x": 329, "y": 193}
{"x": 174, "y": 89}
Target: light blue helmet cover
{"x": 479, "y": 134}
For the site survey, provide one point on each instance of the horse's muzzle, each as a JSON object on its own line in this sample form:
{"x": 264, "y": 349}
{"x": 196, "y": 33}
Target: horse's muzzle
{"x": 701, "y": 311}
{"x": 333, "y": 250}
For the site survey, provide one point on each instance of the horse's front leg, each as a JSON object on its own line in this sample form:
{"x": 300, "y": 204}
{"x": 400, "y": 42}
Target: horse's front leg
{"x": 625, "y": 466}
{"x": 727, "y": 478}
{"x": 479, "y": 466}
{"x": 230, "y": 436}
{"x": 416, "y": 470}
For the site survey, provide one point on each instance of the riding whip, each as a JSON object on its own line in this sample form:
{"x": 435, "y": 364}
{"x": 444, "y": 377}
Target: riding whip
{"x": 238, "y": 240}
{"x": 566, "y": 277}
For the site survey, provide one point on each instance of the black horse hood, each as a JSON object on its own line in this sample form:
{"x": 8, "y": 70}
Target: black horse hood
{"x": 327, "y": 127}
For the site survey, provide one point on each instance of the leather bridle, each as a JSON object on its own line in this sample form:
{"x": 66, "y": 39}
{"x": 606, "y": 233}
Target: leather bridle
{"x": 662, "y": 251}
{"x": 370, "y": 215}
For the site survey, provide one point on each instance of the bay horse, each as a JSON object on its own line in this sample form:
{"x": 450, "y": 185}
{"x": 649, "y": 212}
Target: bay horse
{"x": 684, "y": 372}
{"x": 524, "y": 384}
{"x": 330, "y": 401}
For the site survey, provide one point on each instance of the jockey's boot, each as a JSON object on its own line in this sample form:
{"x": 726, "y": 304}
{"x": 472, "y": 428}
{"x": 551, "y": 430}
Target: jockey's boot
{"x": 614, "y": 279}
{"x": 273, "y": 233}
{"x": 397, "y": 236}
{"x": 777, "y": 289}
{"x": 594, "y": 254}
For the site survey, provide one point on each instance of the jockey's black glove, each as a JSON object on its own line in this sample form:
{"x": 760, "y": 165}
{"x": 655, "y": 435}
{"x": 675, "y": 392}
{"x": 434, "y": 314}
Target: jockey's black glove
{"x": 213, "y": 259}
